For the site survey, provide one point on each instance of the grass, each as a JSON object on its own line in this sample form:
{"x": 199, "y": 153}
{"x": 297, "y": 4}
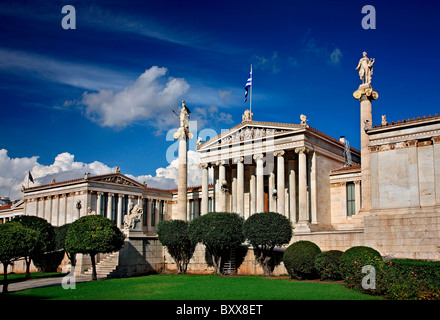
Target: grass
{"x": 196, "y": 287}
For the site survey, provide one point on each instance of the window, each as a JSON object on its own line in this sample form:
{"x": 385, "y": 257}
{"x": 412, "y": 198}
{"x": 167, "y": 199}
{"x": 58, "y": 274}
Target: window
{"x": 351, "y": 206}
{"x": 161, "y": 206}
{"x": 210, "y": 205}
{"x": 145, "y": 212}
{"x": 191, "y": 209}
{"x": 124, "y": 208}
{"x": 104, "y": 198}
{"x": 153, "y": 213}
{"x": 114, "y": 208}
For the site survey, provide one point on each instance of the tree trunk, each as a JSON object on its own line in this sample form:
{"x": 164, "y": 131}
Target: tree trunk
{"x": 5, "y": 277}
{"x": 28, "y": 267}
{"x": 92, "y": 257}
{"x": 216, "y": 262}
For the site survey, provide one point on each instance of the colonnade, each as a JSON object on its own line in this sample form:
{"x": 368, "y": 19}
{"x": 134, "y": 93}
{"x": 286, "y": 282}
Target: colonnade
{"x": 287, "y": 193}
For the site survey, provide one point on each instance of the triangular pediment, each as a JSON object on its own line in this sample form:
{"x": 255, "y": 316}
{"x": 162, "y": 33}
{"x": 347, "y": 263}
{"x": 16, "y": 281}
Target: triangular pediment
{"x": 250, "y": 130}
{"x": 117, "y": 178}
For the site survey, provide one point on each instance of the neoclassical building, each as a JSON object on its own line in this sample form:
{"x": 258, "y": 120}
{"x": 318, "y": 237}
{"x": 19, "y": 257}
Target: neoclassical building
{"x": 263, "y": 166}
{"x": 385, "y": 195}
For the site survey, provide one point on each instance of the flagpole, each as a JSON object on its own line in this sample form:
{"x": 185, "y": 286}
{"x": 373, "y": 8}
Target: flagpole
{"x": 250, "y": 105}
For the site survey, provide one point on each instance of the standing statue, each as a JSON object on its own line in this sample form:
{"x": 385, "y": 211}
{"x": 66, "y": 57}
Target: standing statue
{"x": 184, "y": 123}
{"x": 365, "y": 67}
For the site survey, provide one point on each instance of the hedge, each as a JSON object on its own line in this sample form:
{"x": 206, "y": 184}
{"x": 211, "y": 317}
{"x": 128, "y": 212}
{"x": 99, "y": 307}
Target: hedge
{"x": 410, "y": 279}
{"x": 299, "y": 259}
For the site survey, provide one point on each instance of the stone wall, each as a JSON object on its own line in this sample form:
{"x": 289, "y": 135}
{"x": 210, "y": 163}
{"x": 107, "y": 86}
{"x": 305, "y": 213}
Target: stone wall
{"x": 413, "y": 236}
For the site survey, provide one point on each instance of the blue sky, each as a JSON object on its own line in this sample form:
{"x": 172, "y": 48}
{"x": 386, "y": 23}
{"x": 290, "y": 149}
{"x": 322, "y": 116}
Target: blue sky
{"x": 101, "y": 95}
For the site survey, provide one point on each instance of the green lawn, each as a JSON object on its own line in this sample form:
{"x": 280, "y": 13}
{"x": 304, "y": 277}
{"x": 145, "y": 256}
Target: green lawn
{"x": 196, "y": 287}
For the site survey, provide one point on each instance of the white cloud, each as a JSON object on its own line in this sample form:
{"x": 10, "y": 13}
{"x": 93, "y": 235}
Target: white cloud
{"x": 271, "y": 64}
{"x": 146, "y": 99}
{"x": 80, "y": 75}
{"x": 335, "y": 56}
{"x": 14, "y": 172}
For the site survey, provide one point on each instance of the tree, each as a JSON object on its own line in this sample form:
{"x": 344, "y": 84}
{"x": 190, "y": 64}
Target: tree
{"x": 60, "y": 242}
{"x": 174, "y": 235}
{"x": 218, "y": 231}
{"x": 15, "y": 241}
{"x": 45, "y": 241}
{"x": 265, "y": 231}
{"x": 92, "y": 235}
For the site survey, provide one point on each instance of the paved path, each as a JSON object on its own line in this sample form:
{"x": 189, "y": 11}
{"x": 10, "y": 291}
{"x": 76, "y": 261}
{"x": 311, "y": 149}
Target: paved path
{"x": 38, "y": 283}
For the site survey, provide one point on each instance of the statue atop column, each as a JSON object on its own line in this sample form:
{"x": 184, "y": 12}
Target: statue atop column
{"x": 182, "y": 134}
{"x": 365, "y": 68}
{"x": 183, "y": 130}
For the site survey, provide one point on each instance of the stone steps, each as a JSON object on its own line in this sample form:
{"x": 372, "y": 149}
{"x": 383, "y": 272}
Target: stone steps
{"x": 107, "y": 267}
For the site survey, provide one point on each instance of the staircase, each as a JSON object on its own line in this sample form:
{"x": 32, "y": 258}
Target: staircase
{"x": 229, "y": 266}
{"x": 107, "y": 267}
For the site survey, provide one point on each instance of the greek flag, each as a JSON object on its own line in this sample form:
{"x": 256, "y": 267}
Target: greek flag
{"x": 248, "y": 85}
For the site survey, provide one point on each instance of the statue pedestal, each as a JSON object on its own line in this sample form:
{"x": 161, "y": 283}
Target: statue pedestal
{"x": 135, "y": 232}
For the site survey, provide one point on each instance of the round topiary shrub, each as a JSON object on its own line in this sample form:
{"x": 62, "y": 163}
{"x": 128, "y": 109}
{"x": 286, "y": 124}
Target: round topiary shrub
{"x": 353, "y": 260}
{"x": 299, "y": 259}
{"x": 328, "y": 265}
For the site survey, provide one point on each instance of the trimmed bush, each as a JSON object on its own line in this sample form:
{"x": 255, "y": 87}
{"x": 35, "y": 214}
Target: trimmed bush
{"x": 218, "y": 231}
{"x": 265, "y": 231}
{"x": 173, "y": 234}
{"x": 299, "y": 259}
{"x": 353, "y": 260}
{"x": 407, "y": 279}
{"x": 328, "y": 265}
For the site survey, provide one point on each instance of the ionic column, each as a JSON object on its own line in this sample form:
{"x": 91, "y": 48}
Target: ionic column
{"x": 252, "y": 190}
{"x": 365, "y": 94}
{"x": 240, "y": 185}
{"x": 260, "y": 182}
{"x": 303, "y": 220}
{"x": 222, "y": 185}
{"x": 233, "y": 203}
{"x": 292, "y": 190}
{"x": 280, "y": 181}
{"x": 313, "y": 188}
{"x": 98, "y": 204}
{"x": 205, "y": 186}
{"x": 119, "y": 215}
{"x": 109, "y": 205}
{"x": 272, "y": 200}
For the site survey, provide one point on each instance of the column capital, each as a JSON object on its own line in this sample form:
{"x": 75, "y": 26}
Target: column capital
{"x": 301, "y": 150}
{"x": 412, "y": 143}
{"x": 111, "y": 194}
{"x": 279, "y": 153}
{"x": 259, "y": 156}
{"x": 435, "y": 139}
{"x": 238, "y": 159}
{"x": 99, "y": 193}
{"x": 120, "y": 195}
{"x": 204, "y": 165}
{"x": 220, "y": 162}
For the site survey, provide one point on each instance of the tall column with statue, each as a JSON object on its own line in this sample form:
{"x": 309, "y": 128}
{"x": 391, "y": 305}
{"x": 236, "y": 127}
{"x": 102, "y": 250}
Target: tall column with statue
{"x": 183, "y": 135}
{"x": 365, "y": 94}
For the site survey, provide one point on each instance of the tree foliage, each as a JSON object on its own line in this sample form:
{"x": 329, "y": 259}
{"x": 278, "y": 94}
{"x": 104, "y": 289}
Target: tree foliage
{"x": 218, "y": 231}
{"x": 92, "y": 235}
{"x": 265, "y": 231}
{"x": 15, "y": 241}
{"x": 174, "y": 235}
{"x": 45, "y": 241}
